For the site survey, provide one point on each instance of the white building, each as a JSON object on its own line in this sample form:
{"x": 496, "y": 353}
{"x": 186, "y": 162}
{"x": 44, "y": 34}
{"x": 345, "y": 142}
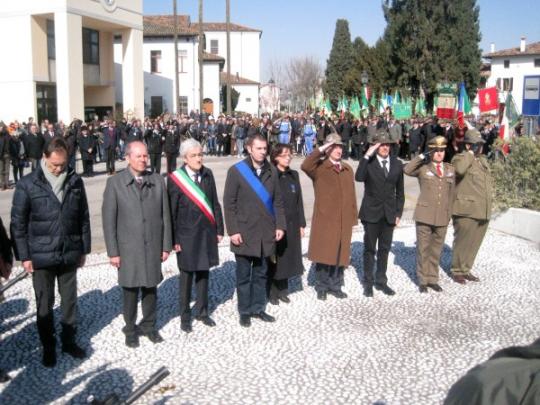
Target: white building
{"x": 59, "y": 58}
{"x": 158, "y": 65}
{"x": 269, "y": 97}
{"x": 512, "y": 68}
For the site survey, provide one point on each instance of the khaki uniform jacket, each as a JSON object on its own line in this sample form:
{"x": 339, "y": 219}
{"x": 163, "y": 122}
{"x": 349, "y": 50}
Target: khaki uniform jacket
{"x": 334, "y": 211}
{"x": 434, "y": 205}
{"x": 473, "y": 186}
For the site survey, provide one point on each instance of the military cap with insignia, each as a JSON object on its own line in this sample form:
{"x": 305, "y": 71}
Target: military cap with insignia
{"x": 438, "y": 142}
{"x": 382, "y": 136}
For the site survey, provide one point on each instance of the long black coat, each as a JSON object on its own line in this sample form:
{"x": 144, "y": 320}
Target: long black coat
{"x": 289, "y": 249}
{"x": 33, "y": 145}
{"x": 45, "y": 230}
{"x": 192, "y": 230}
{"x": 383, "y": 197}
{"x": 172, "y": 142}
{"x": 85, "y": 144}
{"x": 245, "y": 213}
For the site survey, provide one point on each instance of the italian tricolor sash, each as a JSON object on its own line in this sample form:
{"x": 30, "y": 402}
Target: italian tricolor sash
{"x": 193, "y": 192}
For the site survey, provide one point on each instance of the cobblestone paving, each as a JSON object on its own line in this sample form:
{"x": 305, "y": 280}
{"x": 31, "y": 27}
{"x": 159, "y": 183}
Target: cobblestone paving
{"x": 406, "y": 349}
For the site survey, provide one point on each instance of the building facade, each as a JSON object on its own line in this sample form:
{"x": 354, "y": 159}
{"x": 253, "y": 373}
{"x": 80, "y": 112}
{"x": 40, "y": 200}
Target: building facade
{"x": 64, "y": 58}
{"x": 517, "y": 70}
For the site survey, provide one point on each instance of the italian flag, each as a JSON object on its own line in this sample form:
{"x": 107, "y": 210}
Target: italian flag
{"x": 194, "y": 193}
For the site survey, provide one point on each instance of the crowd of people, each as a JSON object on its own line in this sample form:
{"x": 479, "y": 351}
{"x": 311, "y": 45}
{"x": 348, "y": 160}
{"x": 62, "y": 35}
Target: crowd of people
{"x": 146, "y": 217}
{"x": 22, "y": 144}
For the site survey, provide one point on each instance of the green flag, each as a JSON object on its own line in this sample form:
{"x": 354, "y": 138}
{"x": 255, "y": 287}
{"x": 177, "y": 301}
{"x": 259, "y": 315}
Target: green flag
{"x": 327, "y": 107}
{"x": 355, "y": 107}
{"x": 511, "y": 111}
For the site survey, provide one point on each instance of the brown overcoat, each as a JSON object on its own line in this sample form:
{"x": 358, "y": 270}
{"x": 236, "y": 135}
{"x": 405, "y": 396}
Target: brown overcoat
{"x": 334, "y": 211}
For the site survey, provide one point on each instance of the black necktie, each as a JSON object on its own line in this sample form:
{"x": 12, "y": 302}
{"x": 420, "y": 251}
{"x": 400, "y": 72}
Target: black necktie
{"x": 385, "y": 169}
{"x": 196, "y": 178}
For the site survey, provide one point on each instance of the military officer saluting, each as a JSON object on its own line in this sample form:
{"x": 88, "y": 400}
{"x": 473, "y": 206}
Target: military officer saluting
{"x": 472, "y": 206}
{"x": 433, "y": 209}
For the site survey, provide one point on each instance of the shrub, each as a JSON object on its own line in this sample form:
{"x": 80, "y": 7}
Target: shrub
{"x": 516, "y": 178}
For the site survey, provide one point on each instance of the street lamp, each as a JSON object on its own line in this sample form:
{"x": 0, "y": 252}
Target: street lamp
{"x": 364, "y": 78}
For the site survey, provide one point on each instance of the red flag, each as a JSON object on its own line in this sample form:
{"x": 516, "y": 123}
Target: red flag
{"x": 488, "y": 98}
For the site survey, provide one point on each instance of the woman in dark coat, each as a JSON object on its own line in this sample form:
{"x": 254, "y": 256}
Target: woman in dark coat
{"x": 197, "y": 223}
{"x": 288, "y": 259}
{"x": 87, "y": 147}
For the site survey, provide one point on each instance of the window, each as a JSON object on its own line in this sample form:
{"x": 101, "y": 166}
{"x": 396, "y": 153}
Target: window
{"x": 155, "y": 61}
{"x": 214, "y": 47}
{"x": 537, "y": 63}
{"x": 46, "y": 102}
{"x": 182, "y": 104}
{"x": 156, "y": 106}
{"x": 182, "y": 61}
{"x": 90, "y": 40}
{"x": 508, "y": 84}
{"x": 506, "y": 63}
{"x": 51, "y": 47}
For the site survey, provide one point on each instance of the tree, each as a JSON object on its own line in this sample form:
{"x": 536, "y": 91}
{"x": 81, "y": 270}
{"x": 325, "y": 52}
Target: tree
{"x": 431, "y": 41}
{"x": 304, "y": 76}
{"x": 339, "y": 62}
{"x": 235, "y": 96}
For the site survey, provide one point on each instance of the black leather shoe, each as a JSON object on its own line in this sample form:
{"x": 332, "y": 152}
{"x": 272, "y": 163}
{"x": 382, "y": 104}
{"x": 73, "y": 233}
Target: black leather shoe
{"x": 206, "y": 320}
{"x": 74, "y": 350}
{"x": 384, "y": 289}
{"x": 459, "y": 279}
{"x": 321, "y": 295}
{"x": 435, "y": 287}
{"x": 49, "y": 357}
{"x": 132, "y": 341}
{"x": 154, "y": 337}
{"x": 285, "y": 299}
{"x": 368, "y": 290}
{"x": 245, "y": 321}
{"x": 338, "y": 294}
{"x": 422, "y": 289}
{"x": 263, "y": 316}
{"x": 471, "y": 277}
{"x": 186, "y": 327}
{"x": 273, "y": 301}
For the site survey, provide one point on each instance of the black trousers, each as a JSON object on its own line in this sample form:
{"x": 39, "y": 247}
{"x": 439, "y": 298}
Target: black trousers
{"x": 328, "y": 277}
{"x": 275, "y": 288}
{"x": 88, "y": 167}
{"x": 201, "y": 286}
{"x": 155, "y": 162}
{"x": 171, "y": 162}
{"x": 377, "y": 239}
{"x": 149, "y": 305}
{"x": 111, "y": 158}
{"x": 251, "y": 275}
{"x": 43, "y": 281}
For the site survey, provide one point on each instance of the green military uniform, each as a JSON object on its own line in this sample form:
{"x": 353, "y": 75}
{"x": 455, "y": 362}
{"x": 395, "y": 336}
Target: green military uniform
{"x": 432, "y": 213}
{"x": 472, "y": 207}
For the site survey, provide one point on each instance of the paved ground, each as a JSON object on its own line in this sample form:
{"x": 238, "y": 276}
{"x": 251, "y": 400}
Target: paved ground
{"x": 406, "y": 349}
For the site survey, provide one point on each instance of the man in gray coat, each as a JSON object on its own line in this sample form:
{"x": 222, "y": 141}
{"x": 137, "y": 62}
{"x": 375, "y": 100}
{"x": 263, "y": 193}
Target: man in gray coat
{"x": 137, "y": 230}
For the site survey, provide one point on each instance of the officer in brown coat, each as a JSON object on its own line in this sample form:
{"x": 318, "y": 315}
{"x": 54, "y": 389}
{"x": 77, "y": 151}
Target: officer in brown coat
{"x": 334, "y": 215}
{"x": 472, "y": 206}
{"x": 433, "y": 210}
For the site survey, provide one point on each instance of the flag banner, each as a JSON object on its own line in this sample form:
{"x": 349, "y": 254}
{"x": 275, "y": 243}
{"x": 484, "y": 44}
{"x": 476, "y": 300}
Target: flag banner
{"x": 446, "y": 100}
{"x": 488, "y": 99}
{"x": 511, "y": 110}
{"x": 464, "y": 105}
{"x": 355, "y": 107}
{"x": 420, "y": 107}
{"x": 402, "y": 111}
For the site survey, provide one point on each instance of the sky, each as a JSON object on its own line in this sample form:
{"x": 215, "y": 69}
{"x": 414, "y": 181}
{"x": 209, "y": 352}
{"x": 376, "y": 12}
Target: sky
{"x": 293, "y": 28}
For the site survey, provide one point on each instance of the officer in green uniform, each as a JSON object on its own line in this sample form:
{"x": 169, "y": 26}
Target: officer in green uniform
{"x": 433, "y": 210}
{"x": 472, "y": 206}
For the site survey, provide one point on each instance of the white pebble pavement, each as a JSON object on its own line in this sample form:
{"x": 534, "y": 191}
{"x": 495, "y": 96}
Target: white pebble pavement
{"x": 404, "y": 349}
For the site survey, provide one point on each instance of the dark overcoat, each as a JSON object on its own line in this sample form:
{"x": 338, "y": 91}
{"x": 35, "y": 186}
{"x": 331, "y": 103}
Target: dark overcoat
{"x": 245, "y": 213}
{"x": 137, "y": 227}
{"x": 85, "y": 144}
{"x": 289, "y": 249}
{"x": 384, "y": 197}
{"x": 192, "y": 230}
{"x": 46, "y": 231}
{"x": 334, "y": 210}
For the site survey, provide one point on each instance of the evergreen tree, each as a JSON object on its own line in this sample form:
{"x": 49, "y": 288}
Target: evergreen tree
{"x": 339, "y": 62}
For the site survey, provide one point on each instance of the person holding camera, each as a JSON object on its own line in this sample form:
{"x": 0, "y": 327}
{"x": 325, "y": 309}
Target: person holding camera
{"x": 472, "y": 205}
{"x": 433, "y": 209}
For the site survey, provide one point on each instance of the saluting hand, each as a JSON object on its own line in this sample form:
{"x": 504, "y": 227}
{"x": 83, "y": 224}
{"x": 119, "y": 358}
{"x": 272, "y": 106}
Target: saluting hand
{"x": 326, "y": 146}
{"x": 372, "y": 149}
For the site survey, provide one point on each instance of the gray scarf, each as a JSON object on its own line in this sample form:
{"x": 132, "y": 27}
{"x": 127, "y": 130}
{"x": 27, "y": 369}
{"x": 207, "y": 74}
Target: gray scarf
{"x": 56, "y": 182}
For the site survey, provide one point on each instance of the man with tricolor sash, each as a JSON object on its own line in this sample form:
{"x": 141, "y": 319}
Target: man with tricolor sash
{"x": 197, "y": 224}
{"x": 255, "y": 220}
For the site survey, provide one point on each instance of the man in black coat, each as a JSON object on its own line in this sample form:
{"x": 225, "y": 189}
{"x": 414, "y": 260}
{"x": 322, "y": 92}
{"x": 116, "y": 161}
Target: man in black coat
{"x": 50, "y": 227}
{"x": 33, "y": 145}
{"x": 344, "y": 129}
{"x": 381, "y": 210}
{"x": 416, "y": 139}
{"x": 154, "y": 142}
{"x": 171, "y": 147}
{"x": 197, "y": 224}
{"x": 111, "y": 143}
{"x": 255, "y": 220}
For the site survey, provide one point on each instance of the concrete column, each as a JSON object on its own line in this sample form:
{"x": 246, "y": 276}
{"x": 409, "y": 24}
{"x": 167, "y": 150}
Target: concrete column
{"x": 132, "y": 73}
{"x": 69, "y": 66}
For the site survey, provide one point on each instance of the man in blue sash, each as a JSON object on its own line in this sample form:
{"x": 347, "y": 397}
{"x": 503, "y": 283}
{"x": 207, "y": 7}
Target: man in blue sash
{"x": 255, "y": 220}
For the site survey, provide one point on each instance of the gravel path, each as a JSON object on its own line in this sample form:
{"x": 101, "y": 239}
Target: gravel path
{"x": 406, "y": 349}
